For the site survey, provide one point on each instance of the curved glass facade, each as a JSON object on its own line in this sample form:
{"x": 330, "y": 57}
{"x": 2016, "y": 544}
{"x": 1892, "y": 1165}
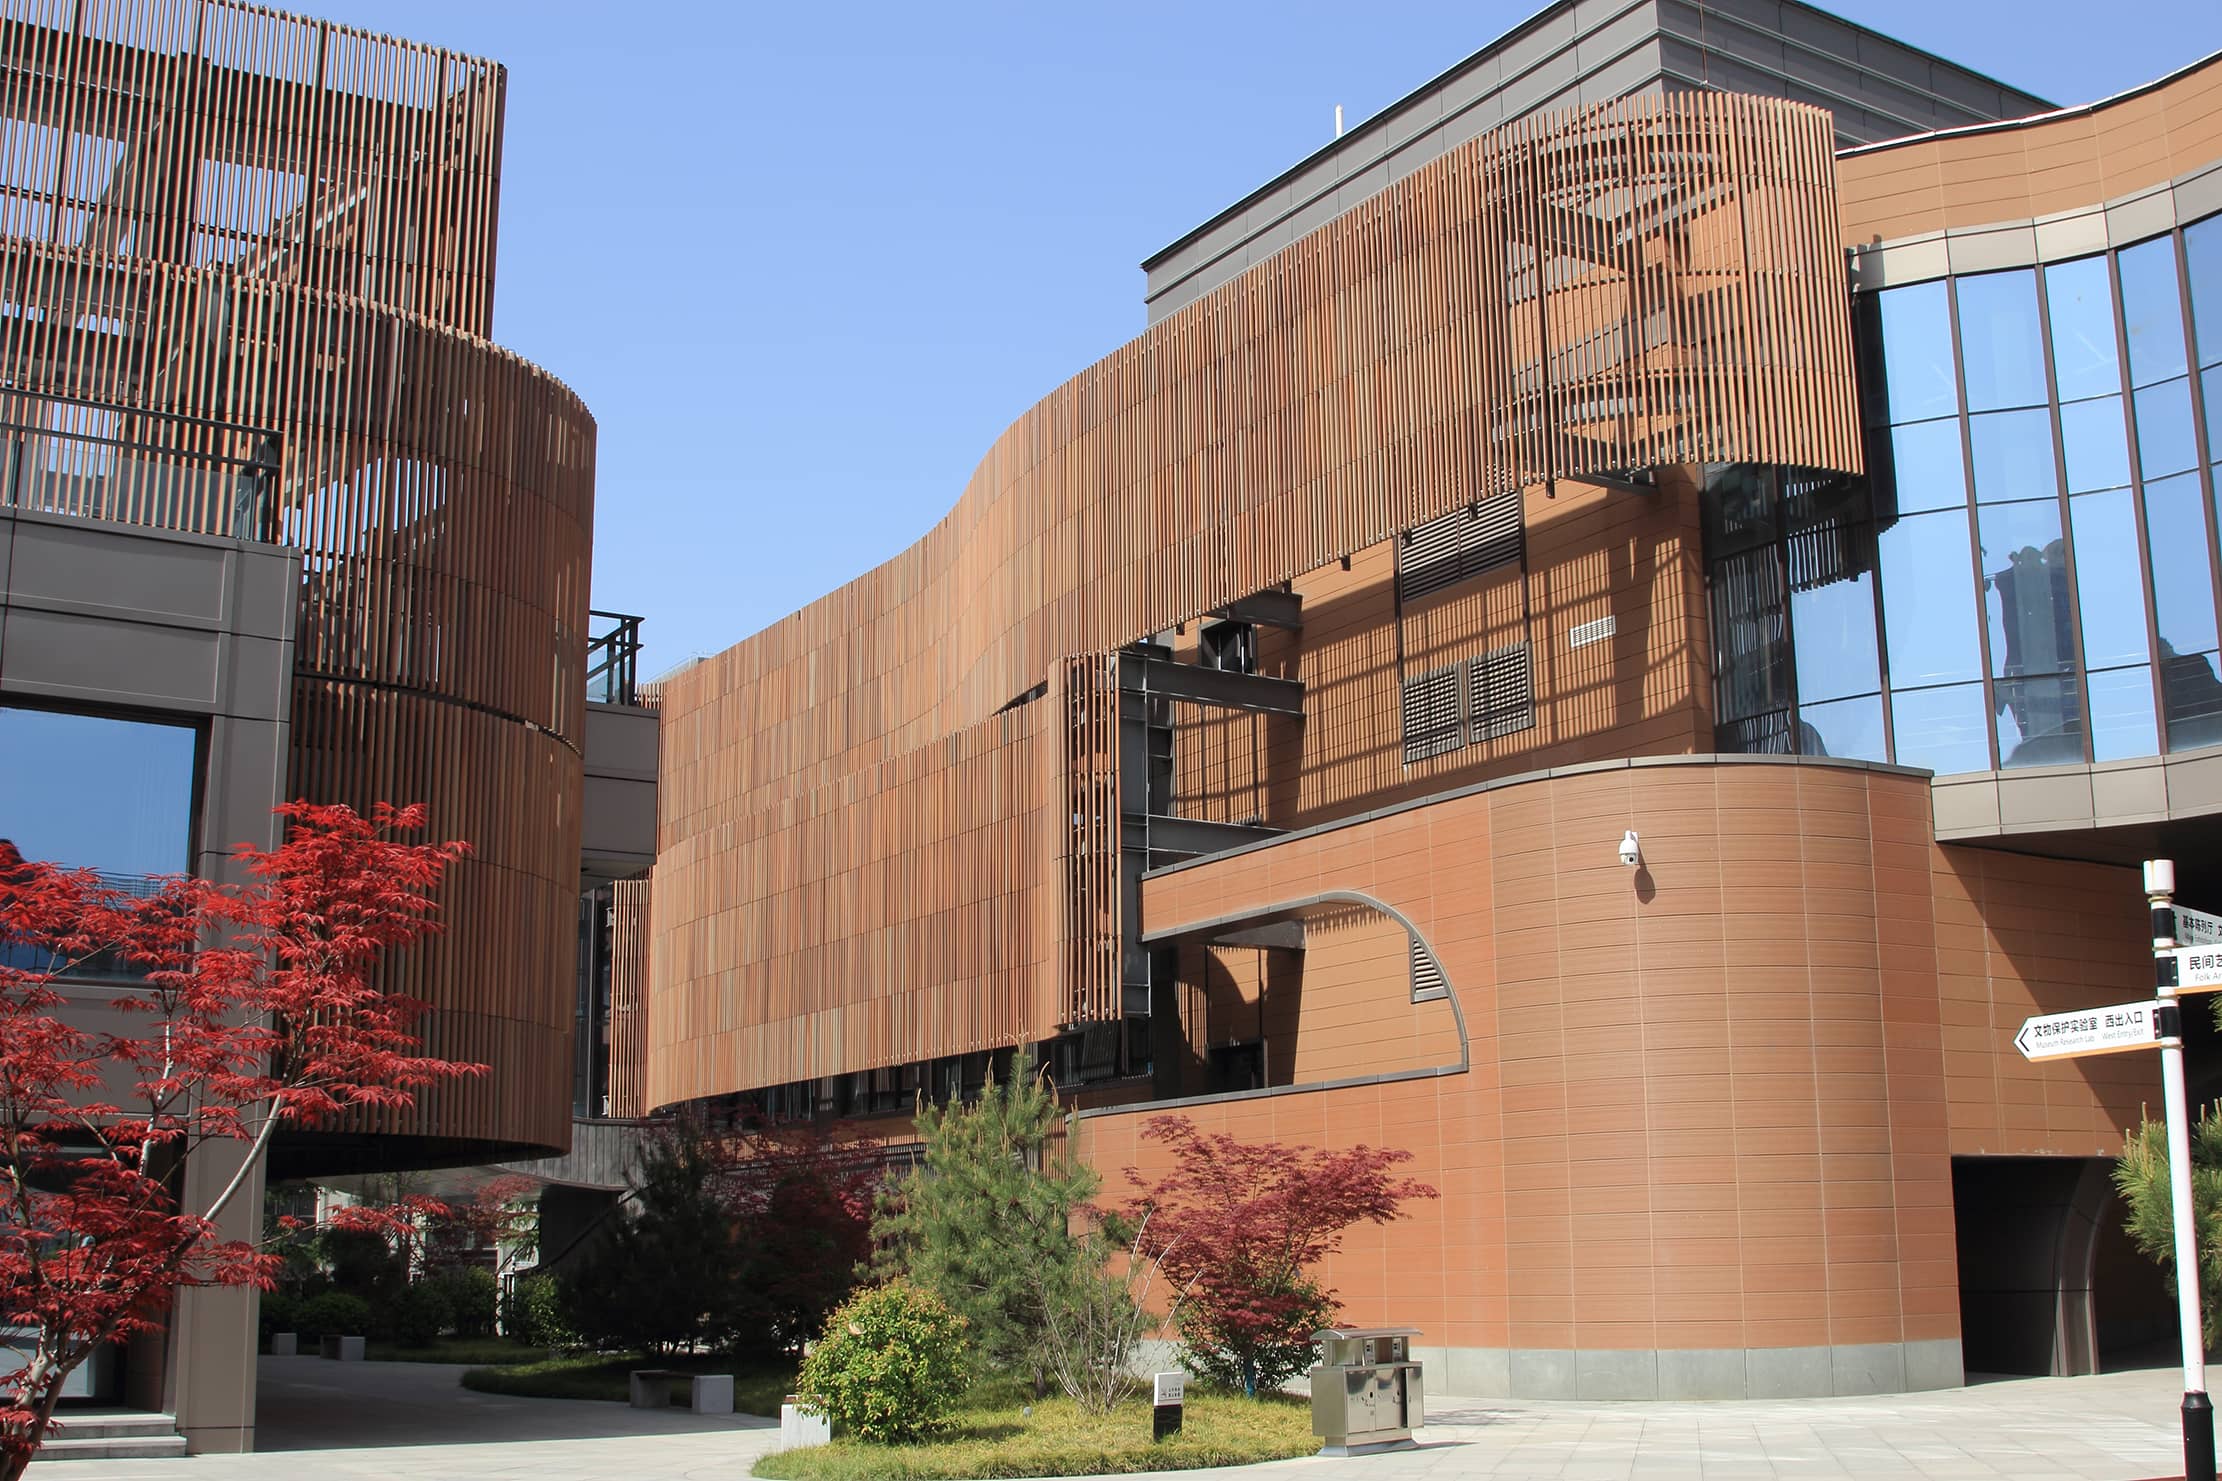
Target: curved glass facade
{"x": 2029, "y": 576}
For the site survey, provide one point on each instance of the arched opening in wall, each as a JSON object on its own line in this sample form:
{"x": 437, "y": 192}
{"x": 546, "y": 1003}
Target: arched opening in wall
{"x": 1305, "y": 992}
{"x": 2050, "y": 1286}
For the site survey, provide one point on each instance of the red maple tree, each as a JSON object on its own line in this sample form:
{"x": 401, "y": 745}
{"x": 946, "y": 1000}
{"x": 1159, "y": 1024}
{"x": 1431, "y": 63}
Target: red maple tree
{"x": 802, "y": 1204}
{"x": 256, "y": 1006}
{"x": 1236, "y": 1223}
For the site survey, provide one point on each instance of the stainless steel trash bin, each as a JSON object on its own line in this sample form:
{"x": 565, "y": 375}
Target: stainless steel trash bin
{"x": 1366, "y": 1391}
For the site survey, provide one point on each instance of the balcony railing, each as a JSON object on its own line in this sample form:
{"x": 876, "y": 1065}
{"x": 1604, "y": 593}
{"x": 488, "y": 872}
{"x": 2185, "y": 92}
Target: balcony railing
{"x": 612, "y": 659}
{"x": 95, "y": 461}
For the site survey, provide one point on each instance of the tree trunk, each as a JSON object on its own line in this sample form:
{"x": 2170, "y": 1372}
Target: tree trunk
{"x": 23, "y": 1443}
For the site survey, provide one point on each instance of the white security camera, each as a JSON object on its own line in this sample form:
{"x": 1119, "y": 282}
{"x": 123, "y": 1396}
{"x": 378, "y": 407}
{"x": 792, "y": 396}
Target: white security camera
{"x": 1631, "y": 853}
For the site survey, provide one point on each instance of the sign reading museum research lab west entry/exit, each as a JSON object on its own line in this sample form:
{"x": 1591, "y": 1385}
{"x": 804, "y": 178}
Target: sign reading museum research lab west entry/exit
{"x": 2109, "y": 1030}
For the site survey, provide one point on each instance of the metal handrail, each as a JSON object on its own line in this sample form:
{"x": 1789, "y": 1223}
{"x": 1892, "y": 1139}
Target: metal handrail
{"x": 613, "y": 659}
{"x": 253, "y": 513}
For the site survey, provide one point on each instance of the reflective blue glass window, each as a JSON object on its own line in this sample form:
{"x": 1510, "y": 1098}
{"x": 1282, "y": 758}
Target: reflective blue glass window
{"x": 1845, "y": 727}
{"x": 2013, "y": 455}
{"x": 2025, "y": 581}
{"x": 2211, "y": 379}
{"x": 1833, "y": 627}
{"x": 2183, "y": 581}
{"x": 1929, "y": 601}
{"x": 2165, "y": 442}
{"x": 2001, "y": 350}
{"x": 2152, "y": 311}
{"x": 2040, "y": 721}
{"x": 2094, "y": 444}
{"x": 2191, "y": 692}
{"x": 2109, "y": 579}
{"x": 95, "y": 792}
{"x": 2082, "y": 311}
{"x": 2202, "y": 249}
{"x": 1928, "y": 466}
{"x": 1941, "y": 729}
{"x": 2122, "y": 714}
{"x": 1917, "y": 352}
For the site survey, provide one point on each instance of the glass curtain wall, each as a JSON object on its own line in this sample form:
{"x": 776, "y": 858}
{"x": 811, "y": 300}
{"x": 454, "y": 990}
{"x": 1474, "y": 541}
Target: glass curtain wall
{"x": 2044, "y": 451}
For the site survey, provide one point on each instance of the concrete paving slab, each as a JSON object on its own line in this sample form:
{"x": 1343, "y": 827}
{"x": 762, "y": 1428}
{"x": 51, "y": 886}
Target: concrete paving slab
{"x": 405, "y": 1420}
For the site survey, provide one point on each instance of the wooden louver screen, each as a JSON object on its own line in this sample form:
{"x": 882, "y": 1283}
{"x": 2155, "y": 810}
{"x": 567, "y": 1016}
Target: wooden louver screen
{"x": 1432, "y": 722}
{"x": 232, "y": 239}
{"x": 1461, "y": 544}
{"x": 1649, "y": 281}
{"x": 1503, "y": 692}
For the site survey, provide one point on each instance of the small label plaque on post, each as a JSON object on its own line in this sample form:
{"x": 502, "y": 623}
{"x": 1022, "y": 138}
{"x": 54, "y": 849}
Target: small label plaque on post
{"x": 1168, "y": 1391}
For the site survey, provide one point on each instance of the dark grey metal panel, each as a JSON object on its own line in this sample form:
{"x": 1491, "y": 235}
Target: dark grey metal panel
{"x": 1283, "y": 609}
{"x": 1219, "y": 687}
{"x": 1191, "y": 836}
{"x": 1585, "y": 51}
{"x": 122, "y": 617}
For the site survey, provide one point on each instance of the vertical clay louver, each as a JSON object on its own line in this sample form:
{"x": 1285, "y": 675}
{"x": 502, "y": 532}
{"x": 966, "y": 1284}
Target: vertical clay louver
{"x": 255, "y": 253}
{"x": 857, "y": 828}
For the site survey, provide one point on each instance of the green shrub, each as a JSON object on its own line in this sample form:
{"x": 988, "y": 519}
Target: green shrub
{"x": 279, "y": 1312}
{"x": 418, "y": 1314}
{"x": 533, "y": 1313}
{"x": 333, "y": 1314}
{"x": 472, "y": 1294}
{"x": 891, "y": 1365}
{"x": 363, "y": 1263}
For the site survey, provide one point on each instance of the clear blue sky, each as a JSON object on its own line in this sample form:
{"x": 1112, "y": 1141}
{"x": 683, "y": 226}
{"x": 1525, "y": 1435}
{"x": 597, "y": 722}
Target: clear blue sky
{"x": 806, "y": 261}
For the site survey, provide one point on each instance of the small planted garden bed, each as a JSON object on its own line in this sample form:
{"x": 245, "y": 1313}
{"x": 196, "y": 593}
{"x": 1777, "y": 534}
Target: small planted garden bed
{"x": 993, "y": 1435}
{"x": 757, "y": 1388}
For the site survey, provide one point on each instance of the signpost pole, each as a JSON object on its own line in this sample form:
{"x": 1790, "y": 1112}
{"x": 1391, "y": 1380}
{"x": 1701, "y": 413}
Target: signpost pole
{"x": 2198, "y": 1410}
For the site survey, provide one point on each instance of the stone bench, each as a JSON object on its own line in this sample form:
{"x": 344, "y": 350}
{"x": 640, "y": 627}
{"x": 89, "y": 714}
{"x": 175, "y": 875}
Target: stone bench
{"x": 800, "y": 1425}
{"x": 707, "y": 1393}
{"x": 345, "y": 1349}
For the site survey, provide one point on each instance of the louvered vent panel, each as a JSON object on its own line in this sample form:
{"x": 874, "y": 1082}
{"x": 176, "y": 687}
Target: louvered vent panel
{"x": 1427, "y": 975}
{"x": 1461, "y": 544}
{"x": 1497, "y": 533}
{"x": 1430, "y": 556}
{"x": 1431, "y": 720}
{"x": 1504, "y": 693}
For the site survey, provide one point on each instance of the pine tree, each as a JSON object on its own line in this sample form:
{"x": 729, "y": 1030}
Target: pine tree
{"x": 2141, "y": 1174}
{"x": 990, "y": 1213}
{"x": 660, "y": 1278}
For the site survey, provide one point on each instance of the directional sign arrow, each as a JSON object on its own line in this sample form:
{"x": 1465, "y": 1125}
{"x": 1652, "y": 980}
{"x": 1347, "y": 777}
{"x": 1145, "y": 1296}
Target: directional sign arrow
{"x": 2109, "y": 1030}
{"x": 2198, "y": 968}
{"x": 2197, "y": 927}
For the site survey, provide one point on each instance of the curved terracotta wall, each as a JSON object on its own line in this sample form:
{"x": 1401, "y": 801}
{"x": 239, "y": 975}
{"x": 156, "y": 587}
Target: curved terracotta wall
{"x": 2017, "y": 171}
{"x": 301, "y": 252}
{"x": 1394, "y": 365}
{"x": 1712, "y": 1103}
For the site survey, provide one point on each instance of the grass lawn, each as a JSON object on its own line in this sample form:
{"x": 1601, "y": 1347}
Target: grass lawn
{"x": 484, "y": 1351}
{"x": 757, "y": 1389}
{"x": 992, "y": 1436}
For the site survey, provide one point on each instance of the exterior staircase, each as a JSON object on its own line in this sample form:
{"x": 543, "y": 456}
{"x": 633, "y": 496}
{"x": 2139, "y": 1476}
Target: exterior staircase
{"x": 113, "y": 1434}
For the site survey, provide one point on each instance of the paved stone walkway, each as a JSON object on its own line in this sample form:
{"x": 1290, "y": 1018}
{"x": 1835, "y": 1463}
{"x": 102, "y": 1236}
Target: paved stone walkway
{"x": 408, "y": 1420}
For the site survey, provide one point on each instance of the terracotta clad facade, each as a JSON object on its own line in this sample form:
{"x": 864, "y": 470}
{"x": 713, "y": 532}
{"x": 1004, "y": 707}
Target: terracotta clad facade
{"x": 1716, "y": 1126}
{"x": 1712, "y": 1105}
{"x": 1358, "y": 384}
